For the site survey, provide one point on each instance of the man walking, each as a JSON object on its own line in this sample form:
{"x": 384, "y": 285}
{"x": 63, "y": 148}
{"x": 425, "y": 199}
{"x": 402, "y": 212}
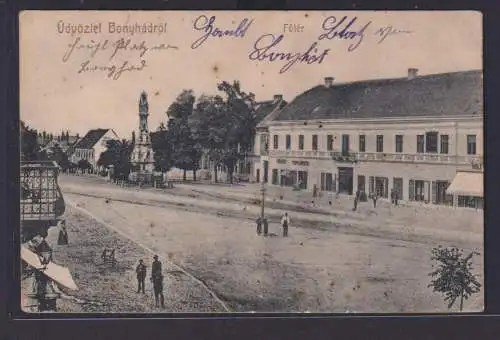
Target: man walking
{"x": 285, "y": 222}
{"x": 157, "y": 279}
{"x": 140, "y": 270}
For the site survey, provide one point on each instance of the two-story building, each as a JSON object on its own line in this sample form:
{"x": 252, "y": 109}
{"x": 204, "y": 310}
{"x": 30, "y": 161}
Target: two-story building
{"x": 412, "y": 134}
{"x": 92, "y": 145}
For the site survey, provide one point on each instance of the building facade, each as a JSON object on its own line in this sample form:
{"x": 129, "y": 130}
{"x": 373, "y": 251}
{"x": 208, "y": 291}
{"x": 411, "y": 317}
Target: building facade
{"x": 92, "y": 145}
{"x": 410, "y": 134}
{"x": 142, "y": 157}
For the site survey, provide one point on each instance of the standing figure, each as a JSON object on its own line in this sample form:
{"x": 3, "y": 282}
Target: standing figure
{"x": 374, "y": 199}
{"x": 141, "y": 276}
{"x": 356, "y": 199}
{"x": 285, "y": 221}
{"x": 63, "y": 234}
{"x": 259, "y": 225}
{"x": 157, "y": 279}
{"x": 266, "y": 226}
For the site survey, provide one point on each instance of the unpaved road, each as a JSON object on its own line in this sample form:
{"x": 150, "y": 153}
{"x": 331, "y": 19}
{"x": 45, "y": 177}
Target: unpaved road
{"x": 327, "y": 266}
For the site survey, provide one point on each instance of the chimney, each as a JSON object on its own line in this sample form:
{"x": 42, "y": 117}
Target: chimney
{"x": 328, "y": 81}
{"x": 278, "y": 97}
{"x": 412, "y": 73}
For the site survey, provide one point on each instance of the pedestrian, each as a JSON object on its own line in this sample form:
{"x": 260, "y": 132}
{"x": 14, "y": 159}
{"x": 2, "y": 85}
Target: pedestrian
{"x": 393, "y": 196}
{"x": 285, "y": 222}
{"x": 356, "y": 199}
{"x": 396, "y": 197}
{"x": 62, "y": 239}
{"x": 259, "y": 225}
{"x": 140, "y": 270}
{"x": 266, "y": 226}
{"x": 157, "y": 280}
{"x": 374, "y": 199}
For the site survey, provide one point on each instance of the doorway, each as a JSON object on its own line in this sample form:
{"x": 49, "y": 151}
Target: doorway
{"x": 345, "y": 180}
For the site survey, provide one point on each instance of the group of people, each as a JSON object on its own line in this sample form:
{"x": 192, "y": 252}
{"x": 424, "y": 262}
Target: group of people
{"x": 156, "y": 280}
{"x": 263, "y": 223}
{"x": 374, "y": 198}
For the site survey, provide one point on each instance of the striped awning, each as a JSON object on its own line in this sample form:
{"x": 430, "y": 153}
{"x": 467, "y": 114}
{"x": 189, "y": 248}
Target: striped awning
{"x": 467, "y": 184}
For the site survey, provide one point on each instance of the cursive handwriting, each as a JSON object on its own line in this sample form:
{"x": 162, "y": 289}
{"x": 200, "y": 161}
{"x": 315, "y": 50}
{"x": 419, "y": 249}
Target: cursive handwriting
{"x": 119, "y": 45}
{"x": 343, "y": 30}
{"x": 384, "y": 32}
{"x": 114, "y": 72}
{"x": 263, "y": 45}
{"x": 206, "y": 25}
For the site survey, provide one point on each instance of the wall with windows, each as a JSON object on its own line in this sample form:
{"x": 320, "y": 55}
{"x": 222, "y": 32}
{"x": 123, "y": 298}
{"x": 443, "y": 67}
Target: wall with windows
{"x": 403, "y": 136}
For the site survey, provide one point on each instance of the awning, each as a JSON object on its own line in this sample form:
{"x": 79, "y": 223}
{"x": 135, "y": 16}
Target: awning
{"x": 467, "y": 184}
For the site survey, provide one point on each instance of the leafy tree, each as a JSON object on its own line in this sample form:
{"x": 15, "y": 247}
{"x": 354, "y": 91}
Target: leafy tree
{"x": 225, "y": 126}
{"x": 133, "y": 137}
{"x": 184, "y": 150}
{"x": 453, "y": 276}
{"x": 117, "y": 154}
{"x": 162, "y": 148}
{"x": 29, "y": 143}
{"x": 56, "y": 154}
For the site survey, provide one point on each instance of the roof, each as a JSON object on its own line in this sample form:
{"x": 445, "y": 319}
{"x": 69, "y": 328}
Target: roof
{"x": 91, "y": 139}
{"x": 446, "y": 94}
{"x": 264, "y": 110}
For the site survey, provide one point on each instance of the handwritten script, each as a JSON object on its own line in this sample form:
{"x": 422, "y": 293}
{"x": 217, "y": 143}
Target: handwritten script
{"x": 350, "y": 30}
{"x": 262, "y": 51}
{"x": 118, "y": 51}
{"x": 207, "y": 26}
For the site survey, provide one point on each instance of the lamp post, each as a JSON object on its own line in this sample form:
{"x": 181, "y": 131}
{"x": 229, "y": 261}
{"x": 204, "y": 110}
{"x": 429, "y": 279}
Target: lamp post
{"x": 263, "y": 197}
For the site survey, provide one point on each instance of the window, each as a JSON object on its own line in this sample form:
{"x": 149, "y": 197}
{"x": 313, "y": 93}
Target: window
{"x": 362, "y": 143}
{"x": 275, "y": 142}
{"x": 329, "y": 142}
{"x": 301, "y": 142}
{"x": 380, "y": 143}
{"x": 327, "y": 182}
{"x": 399, "y": 143}
{"x": 275, "y": 177}
{"x": 420, "y": 143}
{"x": 431, "y": 142}
{"x": 345, "y": 145}
{"x": 288, "y": 142}
{"x": 315, "y": 142}
{"x": 444, "y": 144}
{"x": 471, "y": 144}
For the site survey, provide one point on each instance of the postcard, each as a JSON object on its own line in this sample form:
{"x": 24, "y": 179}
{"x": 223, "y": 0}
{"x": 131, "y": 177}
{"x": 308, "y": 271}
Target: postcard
{"x": 251, "y": 161}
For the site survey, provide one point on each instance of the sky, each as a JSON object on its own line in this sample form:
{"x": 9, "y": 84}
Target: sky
{"x": 78, "y": 92}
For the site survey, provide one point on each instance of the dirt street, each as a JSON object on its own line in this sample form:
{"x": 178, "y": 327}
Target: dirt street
{"x": 359, "y": 262}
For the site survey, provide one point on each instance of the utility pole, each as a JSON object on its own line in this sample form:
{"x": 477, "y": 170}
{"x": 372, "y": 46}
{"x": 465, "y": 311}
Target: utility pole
{"x": 263, "y": 198}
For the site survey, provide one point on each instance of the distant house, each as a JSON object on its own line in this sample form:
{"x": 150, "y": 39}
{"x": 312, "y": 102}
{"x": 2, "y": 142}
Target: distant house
{"x": 92, "y": 145}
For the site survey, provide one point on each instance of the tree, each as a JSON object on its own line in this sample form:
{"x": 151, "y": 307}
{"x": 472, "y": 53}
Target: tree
{"x": 83, "y": 164}
{"x": 162, "y": 148}
{"x": 226, "y": 126}
{"x": 453, "y": 276}
{"x": 56, "y": 154}
{"x": 29, "y": 143}
{"x": 133, "y": 137}
{"x": 184, "y": 150}
{"x": 117, "y": 153}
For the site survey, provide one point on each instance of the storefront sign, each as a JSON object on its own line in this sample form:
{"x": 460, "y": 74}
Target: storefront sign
{"x": 304, "y": 163}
